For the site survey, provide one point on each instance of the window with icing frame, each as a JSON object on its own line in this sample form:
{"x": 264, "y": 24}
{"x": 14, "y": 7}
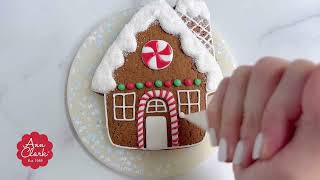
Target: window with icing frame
{"x": 124, "y": 106}
{"x": 188, "y": 101}
{"x": 156, "y": 105}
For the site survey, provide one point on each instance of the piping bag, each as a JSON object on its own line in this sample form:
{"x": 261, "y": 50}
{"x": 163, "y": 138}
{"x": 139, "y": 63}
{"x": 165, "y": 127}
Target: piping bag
{"x": 200, "y": 119}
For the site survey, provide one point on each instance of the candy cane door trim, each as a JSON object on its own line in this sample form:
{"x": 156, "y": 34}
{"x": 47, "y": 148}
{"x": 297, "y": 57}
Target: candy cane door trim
{"x": 156, "y": 133}
{"x": 167, "y": 97}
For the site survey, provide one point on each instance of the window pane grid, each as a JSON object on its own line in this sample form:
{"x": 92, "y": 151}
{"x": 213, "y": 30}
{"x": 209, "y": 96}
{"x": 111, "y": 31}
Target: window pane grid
{"x": 124, "y": 106}
{"x": 189, "y": 104}
{"x": 157, "y": 104}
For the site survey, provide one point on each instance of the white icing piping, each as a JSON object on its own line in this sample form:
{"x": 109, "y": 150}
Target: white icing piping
{"x": 196, "y": 24}
{"x": 170, "y": 22}
{"x": 193, "y": 8}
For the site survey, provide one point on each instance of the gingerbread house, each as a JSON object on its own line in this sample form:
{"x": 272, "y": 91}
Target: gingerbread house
{"x": 156, "y": 70}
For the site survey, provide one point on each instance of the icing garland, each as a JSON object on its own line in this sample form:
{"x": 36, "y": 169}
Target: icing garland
{"x": 159, "y": 84}
{"x": 157, "y": 54}
{"x": 169, "y": 98}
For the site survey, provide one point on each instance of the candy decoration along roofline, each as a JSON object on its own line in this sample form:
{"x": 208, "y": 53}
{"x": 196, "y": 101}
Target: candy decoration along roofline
{"x": 121, "y": 87}
{"x": 148, "y": 84}
{"x": 187, "y": 82}
{"x": 139, "y": 85}
{"x": 197, "y": 82}
{"x": 130, "y": 86}
{"x": 159, "y": 84}
{"x": 177, "y": 82}
{"x": 167, "y": 83}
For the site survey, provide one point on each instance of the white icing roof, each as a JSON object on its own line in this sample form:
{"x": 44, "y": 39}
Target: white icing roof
{"x": 193, "y": 8}
{"x": 171, "y": 23}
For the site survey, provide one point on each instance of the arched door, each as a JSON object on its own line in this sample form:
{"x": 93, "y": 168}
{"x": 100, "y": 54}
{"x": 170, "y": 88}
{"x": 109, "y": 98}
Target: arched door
{"x": 167, "y": 104}
{"x": 156, "y": 126}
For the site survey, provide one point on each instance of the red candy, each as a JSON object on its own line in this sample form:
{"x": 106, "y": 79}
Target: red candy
{"x": 148, "y": 84}
{"x": 167, "y": 83}
{"x": 187, "y": 82}
{"x": 130, "y": 86}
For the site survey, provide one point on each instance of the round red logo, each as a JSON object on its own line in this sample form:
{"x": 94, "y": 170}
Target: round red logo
{"x": 34, "y": 150}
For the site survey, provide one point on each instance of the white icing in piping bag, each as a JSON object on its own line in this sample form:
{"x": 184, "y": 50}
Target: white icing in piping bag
{"x": 200, "y": 119}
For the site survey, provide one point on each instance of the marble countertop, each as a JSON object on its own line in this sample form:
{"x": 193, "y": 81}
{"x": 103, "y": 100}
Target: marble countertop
{"x": 38, "y": 40}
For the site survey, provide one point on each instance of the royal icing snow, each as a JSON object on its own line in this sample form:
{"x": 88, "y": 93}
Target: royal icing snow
{"x": 103, "y": 80}
{"x": 193, "y": 8}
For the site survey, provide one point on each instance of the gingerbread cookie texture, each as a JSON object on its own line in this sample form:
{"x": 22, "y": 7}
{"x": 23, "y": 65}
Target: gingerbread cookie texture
{"x": 155, "y": 70}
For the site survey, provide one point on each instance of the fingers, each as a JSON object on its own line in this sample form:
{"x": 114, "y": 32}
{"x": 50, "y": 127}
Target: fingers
{"x": 232, "y": 112}
{"x": 214, "y": 111}
{"x": 265, "y": 77}
{"x": 253, "y": 111}
{"x": 311, "y": 98}
{"x": 282, "y": 110}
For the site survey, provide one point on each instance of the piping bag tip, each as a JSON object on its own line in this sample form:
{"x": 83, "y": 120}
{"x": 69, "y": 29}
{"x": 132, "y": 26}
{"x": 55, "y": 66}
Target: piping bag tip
{"x": 199, "y": 118}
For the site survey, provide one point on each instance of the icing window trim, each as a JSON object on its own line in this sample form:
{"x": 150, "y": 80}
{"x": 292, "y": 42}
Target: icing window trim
{"x": 124, "y": 107}
{"x": 156, "y": 106}
{"x": 188, "y": 103}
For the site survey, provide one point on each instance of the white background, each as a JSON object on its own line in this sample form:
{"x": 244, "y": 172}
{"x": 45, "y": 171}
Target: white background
{"x": 39, "y": 38}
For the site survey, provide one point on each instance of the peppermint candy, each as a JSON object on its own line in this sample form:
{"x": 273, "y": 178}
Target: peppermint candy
{"x": 157, "y": 54}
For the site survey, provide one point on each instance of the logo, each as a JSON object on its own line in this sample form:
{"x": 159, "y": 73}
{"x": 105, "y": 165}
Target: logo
{"x": 34, "y": 150}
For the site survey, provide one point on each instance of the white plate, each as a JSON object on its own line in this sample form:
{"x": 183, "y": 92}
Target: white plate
{"x": 87, "y": 110}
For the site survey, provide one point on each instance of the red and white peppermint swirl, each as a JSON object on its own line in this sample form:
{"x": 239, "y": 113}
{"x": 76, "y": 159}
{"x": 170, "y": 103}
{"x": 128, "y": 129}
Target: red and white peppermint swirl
{"x": 157, "y": 54}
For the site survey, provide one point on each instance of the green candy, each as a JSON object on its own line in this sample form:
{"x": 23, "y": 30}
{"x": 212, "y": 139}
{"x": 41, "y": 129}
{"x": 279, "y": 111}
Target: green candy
{"x": 121, "y": 87}
{"x": 177, "y": 82}
{"x": 139, "y": 85}
{"x": 158, "y": 83}
{"x": 197, "y": 82}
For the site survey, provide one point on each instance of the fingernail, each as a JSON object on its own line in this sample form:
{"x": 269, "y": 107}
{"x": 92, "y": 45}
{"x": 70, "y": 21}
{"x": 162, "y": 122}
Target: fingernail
{"x": 222, "y": 155}
{"x": 212, "y": 136}
{"x": 238, "y": 155}
{"x": 257, "y": 147}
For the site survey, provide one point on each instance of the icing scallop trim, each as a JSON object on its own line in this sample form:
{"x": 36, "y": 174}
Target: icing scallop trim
{"x": 103, "y": 80}
{"x": 193, "y": 8}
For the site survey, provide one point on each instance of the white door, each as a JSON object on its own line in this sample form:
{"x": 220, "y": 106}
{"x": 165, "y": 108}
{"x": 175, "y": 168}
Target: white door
{"x": 156, "y": 132}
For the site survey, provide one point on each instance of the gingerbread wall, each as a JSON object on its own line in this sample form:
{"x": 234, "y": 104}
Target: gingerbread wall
{"x": 124, "y": 133}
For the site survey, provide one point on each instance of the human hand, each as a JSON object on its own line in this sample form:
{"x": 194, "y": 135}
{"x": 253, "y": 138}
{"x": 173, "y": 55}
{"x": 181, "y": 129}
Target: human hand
{"x": 267, "y": 120}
